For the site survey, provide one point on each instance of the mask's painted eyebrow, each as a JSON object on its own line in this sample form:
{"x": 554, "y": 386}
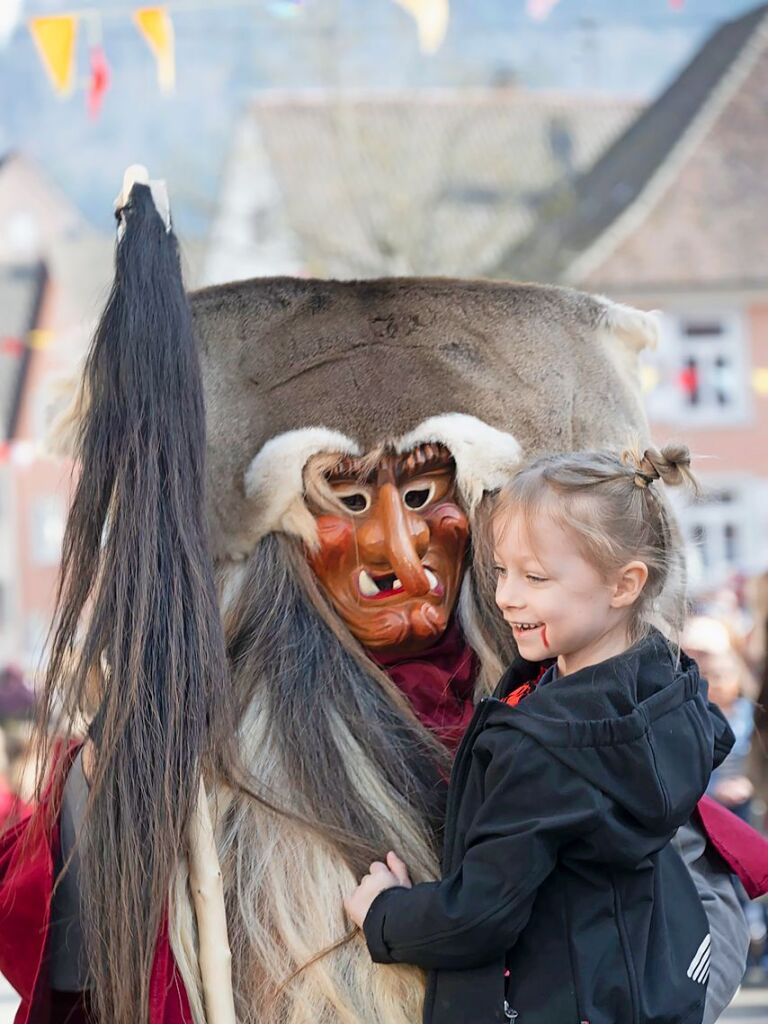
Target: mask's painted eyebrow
{"x": 424, "y": 458}
{"x": 350, "y": 470}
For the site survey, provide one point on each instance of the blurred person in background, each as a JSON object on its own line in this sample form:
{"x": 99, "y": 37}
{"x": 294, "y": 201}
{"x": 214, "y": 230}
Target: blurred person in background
{"x": 732, "y": 687}
{"x": 17, "y": 763}
{"x": 7, "y": 796}
{"x": 757, "y": 650}
{"x": 17, "y": 700}
{"x": 17, "y": 776}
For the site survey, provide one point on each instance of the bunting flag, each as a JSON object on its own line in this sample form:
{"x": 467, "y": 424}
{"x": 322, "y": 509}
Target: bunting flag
{"x": 431, "y": 17}
{"x": 55, "y": 41}
{"x": 649, "y": 378}
{"x": 540, "y": 10}
{"x": 11, "y": 346}
{"x": 39, "y": 339}
{"x": 98, "y": 82}
{"x": 156, "y": 27}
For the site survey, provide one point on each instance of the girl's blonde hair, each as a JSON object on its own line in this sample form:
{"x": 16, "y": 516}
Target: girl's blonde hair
{"x": 613, "y": 506}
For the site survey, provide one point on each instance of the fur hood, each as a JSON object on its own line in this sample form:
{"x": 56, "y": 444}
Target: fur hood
{"x": 495, "y": 371}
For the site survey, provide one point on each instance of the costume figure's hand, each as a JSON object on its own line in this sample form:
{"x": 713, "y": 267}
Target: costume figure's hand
{"x": 380, "y": 877}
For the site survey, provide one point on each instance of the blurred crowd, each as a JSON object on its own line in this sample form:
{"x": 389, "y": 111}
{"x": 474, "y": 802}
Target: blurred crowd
{"x": 17, "y": 766}
{"x": 727, "y": 634}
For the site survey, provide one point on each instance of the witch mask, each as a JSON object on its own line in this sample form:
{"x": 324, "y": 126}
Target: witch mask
{"x": 391, "y": 539}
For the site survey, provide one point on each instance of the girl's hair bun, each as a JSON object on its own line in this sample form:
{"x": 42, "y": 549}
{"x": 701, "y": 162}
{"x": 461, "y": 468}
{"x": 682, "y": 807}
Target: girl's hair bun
{"x": 672, "y": 465}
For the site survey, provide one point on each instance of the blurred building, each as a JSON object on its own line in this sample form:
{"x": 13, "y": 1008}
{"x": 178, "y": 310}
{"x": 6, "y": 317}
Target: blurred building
{"x": 432, "y": 181}
{"x": 674, "y": 217}
{"x": 54, "y": 271}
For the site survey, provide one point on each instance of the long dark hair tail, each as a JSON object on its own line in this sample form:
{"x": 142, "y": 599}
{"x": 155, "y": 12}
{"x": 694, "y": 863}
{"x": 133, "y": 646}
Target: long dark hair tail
{"x": 137, "y": 618}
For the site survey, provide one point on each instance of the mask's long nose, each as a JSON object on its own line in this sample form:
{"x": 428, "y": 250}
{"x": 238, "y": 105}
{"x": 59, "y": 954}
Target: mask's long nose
{"x": 406, "y": 538}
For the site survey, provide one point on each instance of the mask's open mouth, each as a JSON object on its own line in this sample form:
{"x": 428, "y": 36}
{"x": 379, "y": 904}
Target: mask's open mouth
{"x": 377, "y": 586}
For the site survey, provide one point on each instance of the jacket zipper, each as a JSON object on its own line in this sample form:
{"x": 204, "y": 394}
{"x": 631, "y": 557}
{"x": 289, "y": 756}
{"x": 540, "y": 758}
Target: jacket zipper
{"x": 627, "y": 951}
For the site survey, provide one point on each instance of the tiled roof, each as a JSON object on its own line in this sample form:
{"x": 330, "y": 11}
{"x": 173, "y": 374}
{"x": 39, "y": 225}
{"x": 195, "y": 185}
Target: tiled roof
{"x": 418, "y": 182}
{"x": 585, "y": 219}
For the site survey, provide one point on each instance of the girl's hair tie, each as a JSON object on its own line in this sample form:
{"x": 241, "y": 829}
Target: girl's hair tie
{"x": 644, "y": 479}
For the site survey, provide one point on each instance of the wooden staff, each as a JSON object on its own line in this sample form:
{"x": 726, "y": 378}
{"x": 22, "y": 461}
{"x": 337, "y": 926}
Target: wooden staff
{"x": 214, "y": 954}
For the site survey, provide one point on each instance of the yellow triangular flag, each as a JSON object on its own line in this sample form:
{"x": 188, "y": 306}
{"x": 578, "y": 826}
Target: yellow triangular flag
{"x": 432, "y": 17}
{"x": 55, "y": 41}
{"x": 39, "y": 339}
{"x": 156, "y": 26}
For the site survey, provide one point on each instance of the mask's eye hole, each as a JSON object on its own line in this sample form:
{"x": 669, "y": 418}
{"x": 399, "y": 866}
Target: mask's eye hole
{"x": 356, "y": 502}
{"x": 418, "y": 497}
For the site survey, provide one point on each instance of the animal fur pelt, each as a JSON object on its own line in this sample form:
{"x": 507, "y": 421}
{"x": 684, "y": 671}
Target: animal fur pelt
{"x": 350, "y": 364}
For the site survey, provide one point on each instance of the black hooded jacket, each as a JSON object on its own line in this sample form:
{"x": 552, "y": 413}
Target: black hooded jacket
{"x": 557, "y": 863}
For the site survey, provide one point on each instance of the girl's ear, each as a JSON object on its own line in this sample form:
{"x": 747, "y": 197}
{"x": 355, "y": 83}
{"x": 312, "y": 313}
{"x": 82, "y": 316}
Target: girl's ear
{"x": 628, "y": 584}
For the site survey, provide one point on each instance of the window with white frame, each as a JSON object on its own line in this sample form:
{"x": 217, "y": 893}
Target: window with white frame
{"x": 716, "y": 528}
{"x": 701, "y": 369}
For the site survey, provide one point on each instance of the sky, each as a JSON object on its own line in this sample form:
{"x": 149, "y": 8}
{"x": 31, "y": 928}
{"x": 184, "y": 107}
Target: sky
{"x": 227, "y": 50}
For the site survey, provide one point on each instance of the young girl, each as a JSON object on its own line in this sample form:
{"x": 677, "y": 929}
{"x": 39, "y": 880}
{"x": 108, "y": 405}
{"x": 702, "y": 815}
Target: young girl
{"x": 562, "y": 900}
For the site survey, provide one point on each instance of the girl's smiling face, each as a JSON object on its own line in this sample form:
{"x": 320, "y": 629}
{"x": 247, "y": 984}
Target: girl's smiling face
{"x": 557, "y": 603}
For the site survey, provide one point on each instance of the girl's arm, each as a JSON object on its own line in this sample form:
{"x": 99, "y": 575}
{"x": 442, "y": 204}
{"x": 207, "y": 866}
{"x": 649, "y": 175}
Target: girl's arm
{"x": 532, "y": 805}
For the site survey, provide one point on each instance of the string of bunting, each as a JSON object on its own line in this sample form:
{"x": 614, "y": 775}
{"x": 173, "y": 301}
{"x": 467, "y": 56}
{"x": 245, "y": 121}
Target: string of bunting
{"x": 56, "y": 36}
{"x": 38, "y": 339}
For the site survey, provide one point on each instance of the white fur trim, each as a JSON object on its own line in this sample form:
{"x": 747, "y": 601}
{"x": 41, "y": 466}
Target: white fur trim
{"x": 636, "y": 328}
{"x": 484, "y": 456}
{"x": 275, "y": 481}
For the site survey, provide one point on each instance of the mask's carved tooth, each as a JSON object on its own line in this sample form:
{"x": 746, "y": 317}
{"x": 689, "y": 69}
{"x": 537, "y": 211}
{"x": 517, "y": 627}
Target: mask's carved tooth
{"x": 367, "y": 587}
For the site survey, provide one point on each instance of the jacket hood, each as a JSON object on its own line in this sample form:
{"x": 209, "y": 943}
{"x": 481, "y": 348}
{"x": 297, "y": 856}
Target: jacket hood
{"x": 637, "y": 726}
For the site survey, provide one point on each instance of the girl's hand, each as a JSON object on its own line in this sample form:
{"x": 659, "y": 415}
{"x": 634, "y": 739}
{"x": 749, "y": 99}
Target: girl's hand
{"x": 380, "y": 877}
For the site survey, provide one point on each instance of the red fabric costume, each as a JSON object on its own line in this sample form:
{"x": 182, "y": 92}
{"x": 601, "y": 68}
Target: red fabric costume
{"x": 27, "y": 857}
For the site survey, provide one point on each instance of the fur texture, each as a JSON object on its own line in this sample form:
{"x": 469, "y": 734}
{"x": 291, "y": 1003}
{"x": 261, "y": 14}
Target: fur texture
{"x": 374, "y": 359}
{"x": 484, "y": 456}
{"x": 329, "y": 738}
{"x": 274, "y": 482}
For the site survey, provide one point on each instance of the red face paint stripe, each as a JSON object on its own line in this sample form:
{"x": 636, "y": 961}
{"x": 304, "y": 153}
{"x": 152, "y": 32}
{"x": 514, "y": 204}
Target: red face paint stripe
{"x": 544, "y": 635}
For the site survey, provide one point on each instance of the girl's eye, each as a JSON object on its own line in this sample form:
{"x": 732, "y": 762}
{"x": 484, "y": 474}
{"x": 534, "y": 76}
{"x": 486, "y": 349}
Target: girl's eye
{"x": 357, "y": 502}
{"x": 499, "y": 570}
{"x": 418, "y": 497}
{"x": 535, "y": 579}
